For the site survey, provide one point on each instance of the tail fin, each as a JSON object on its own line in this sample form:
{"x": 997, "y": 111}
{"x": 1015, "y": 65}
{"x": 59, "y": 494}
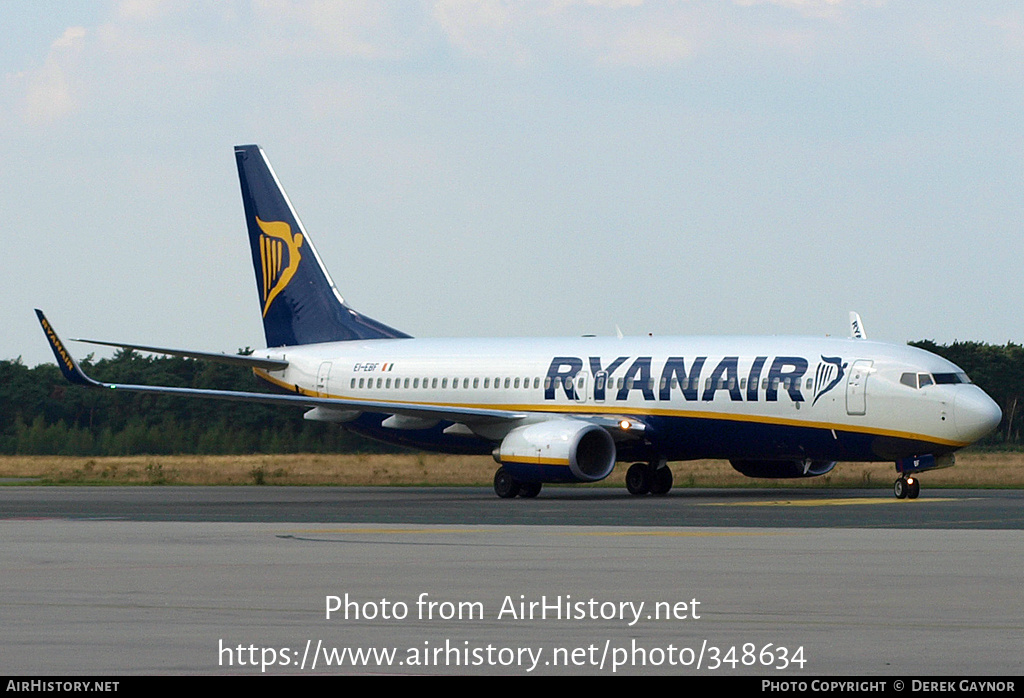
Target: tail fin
{"x": 299, "y": 301}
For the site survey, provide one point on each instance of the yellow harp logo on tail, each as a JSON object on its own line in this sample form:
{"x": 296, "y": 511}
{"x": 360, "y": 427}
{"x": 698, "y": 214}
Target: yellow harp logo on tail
{"x": 279, "y": 254}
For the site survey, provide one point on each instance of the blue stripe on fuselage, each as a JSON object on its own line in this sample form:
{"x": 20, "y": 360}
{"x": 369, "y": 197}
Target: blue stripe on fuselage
{"x": 688, "y": 438}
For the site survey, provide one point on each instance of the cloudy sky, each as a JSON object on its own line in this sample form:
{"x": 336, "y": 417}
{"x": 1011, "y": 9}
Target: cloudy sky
{"x": 550, "y": 167}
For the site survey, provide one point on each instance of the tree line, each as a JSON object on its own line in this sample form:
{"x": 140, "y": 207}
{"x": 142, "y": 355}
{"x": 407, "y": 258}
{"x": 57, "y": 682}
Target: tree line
{"x": 42, "y": 414}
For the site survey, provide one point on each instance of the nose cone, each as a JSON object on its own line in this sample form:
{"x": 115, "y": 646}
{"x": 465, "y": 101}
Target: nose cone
{"x": 975, "y": 414}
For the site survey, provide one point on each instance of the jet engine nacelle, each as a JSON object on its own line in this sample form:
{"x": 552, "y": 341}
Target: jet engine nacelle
{"x": 783, "y": 468}
{"x": 559, "y": 450}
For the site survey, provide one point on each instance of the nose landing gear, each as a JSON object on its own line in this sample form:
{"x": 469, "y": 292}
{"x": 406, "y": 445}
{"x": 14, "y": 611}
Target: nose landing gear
{"x": 906, "y": 487}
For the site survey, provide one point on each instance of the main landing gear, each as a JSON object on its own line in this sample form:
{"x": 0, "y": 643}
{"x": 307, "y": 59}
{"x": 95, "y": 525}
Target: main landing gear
{"x": 507, "y": 487}
{"x": 649, "y": 478}
{"x": 906, "y": 487}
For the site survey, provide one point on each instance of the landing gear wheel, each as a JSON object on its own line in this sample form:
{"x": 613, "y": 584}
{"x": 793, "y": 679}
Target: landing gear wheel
{"x": 505, "y": 486}
{"x": 913, "y": 488}
{"x": 900, "y": 488}
{"x": 529, "y": 490}
{"x": 661, "y": 482}
{"x": 638, "y": 478}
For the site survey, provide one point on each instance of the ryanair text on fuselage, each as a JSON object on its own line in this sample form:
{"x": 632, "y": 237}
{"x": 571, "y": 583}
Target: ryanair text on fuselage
{"x": 784, "y": 373}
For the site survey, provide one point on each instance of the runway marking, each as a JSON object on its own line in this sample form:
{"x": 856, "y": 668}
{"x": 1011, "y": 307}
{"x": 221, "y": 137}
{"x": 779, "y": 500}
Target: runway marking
{"x": 679, "y": 534}
{"x": 825, "y": 502}
{"x": 667, "y": 534}
{"x": 390, "y": 530}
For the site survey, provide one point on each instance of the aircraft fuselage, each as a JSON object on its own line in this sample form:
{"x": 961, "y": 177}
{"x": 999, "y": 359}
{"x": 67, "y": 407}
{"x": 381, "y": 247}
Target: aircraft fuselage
{"x": 700, "y": 397}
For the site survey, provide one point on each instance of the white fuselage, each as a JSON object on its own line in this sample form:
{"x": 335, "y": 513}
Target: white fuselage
{"x": 703, "y": 396}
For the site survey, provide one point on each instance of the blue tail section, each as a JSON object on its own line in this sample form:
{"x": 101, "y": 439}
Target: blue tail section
{"x": 298, "y": 299}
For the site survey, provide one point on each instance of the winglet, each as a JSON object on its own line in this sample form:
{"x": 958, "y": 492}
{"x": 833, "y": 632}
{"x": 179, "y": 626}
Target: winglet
{"x": 856, "y": 327}
{"x": 67, "y": 364}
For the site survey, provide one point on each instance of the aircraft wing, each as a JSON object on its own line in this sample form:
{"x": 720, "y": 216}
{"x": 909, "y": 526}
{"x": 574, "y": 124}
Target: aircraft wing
{"x": 230, "y": 359}
{"x": 622, "y": 426}
{"x": 74, "y": 373}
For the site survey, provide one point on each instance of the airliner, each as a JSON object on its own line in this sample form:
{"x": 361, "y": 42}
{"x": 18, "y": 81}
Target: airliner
{"x": 567, "y": 410}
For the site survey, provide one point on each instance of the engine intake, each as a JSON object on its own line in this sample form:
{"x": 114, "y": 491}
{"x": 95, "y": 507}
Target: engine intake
{"x": 559, "y": 450}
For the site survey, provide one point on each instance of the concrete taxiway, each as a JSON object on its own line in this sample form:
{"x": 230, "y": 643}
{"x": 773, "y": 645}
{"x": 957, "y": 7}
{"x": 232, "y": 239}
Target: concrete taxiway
{"x": 579, "y": 581}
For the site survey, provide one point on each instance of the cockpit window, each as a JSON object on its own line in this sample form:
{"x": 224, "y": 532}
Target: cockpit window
{"x": 947, "y": 378}
{"x": 920, "y": 380}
